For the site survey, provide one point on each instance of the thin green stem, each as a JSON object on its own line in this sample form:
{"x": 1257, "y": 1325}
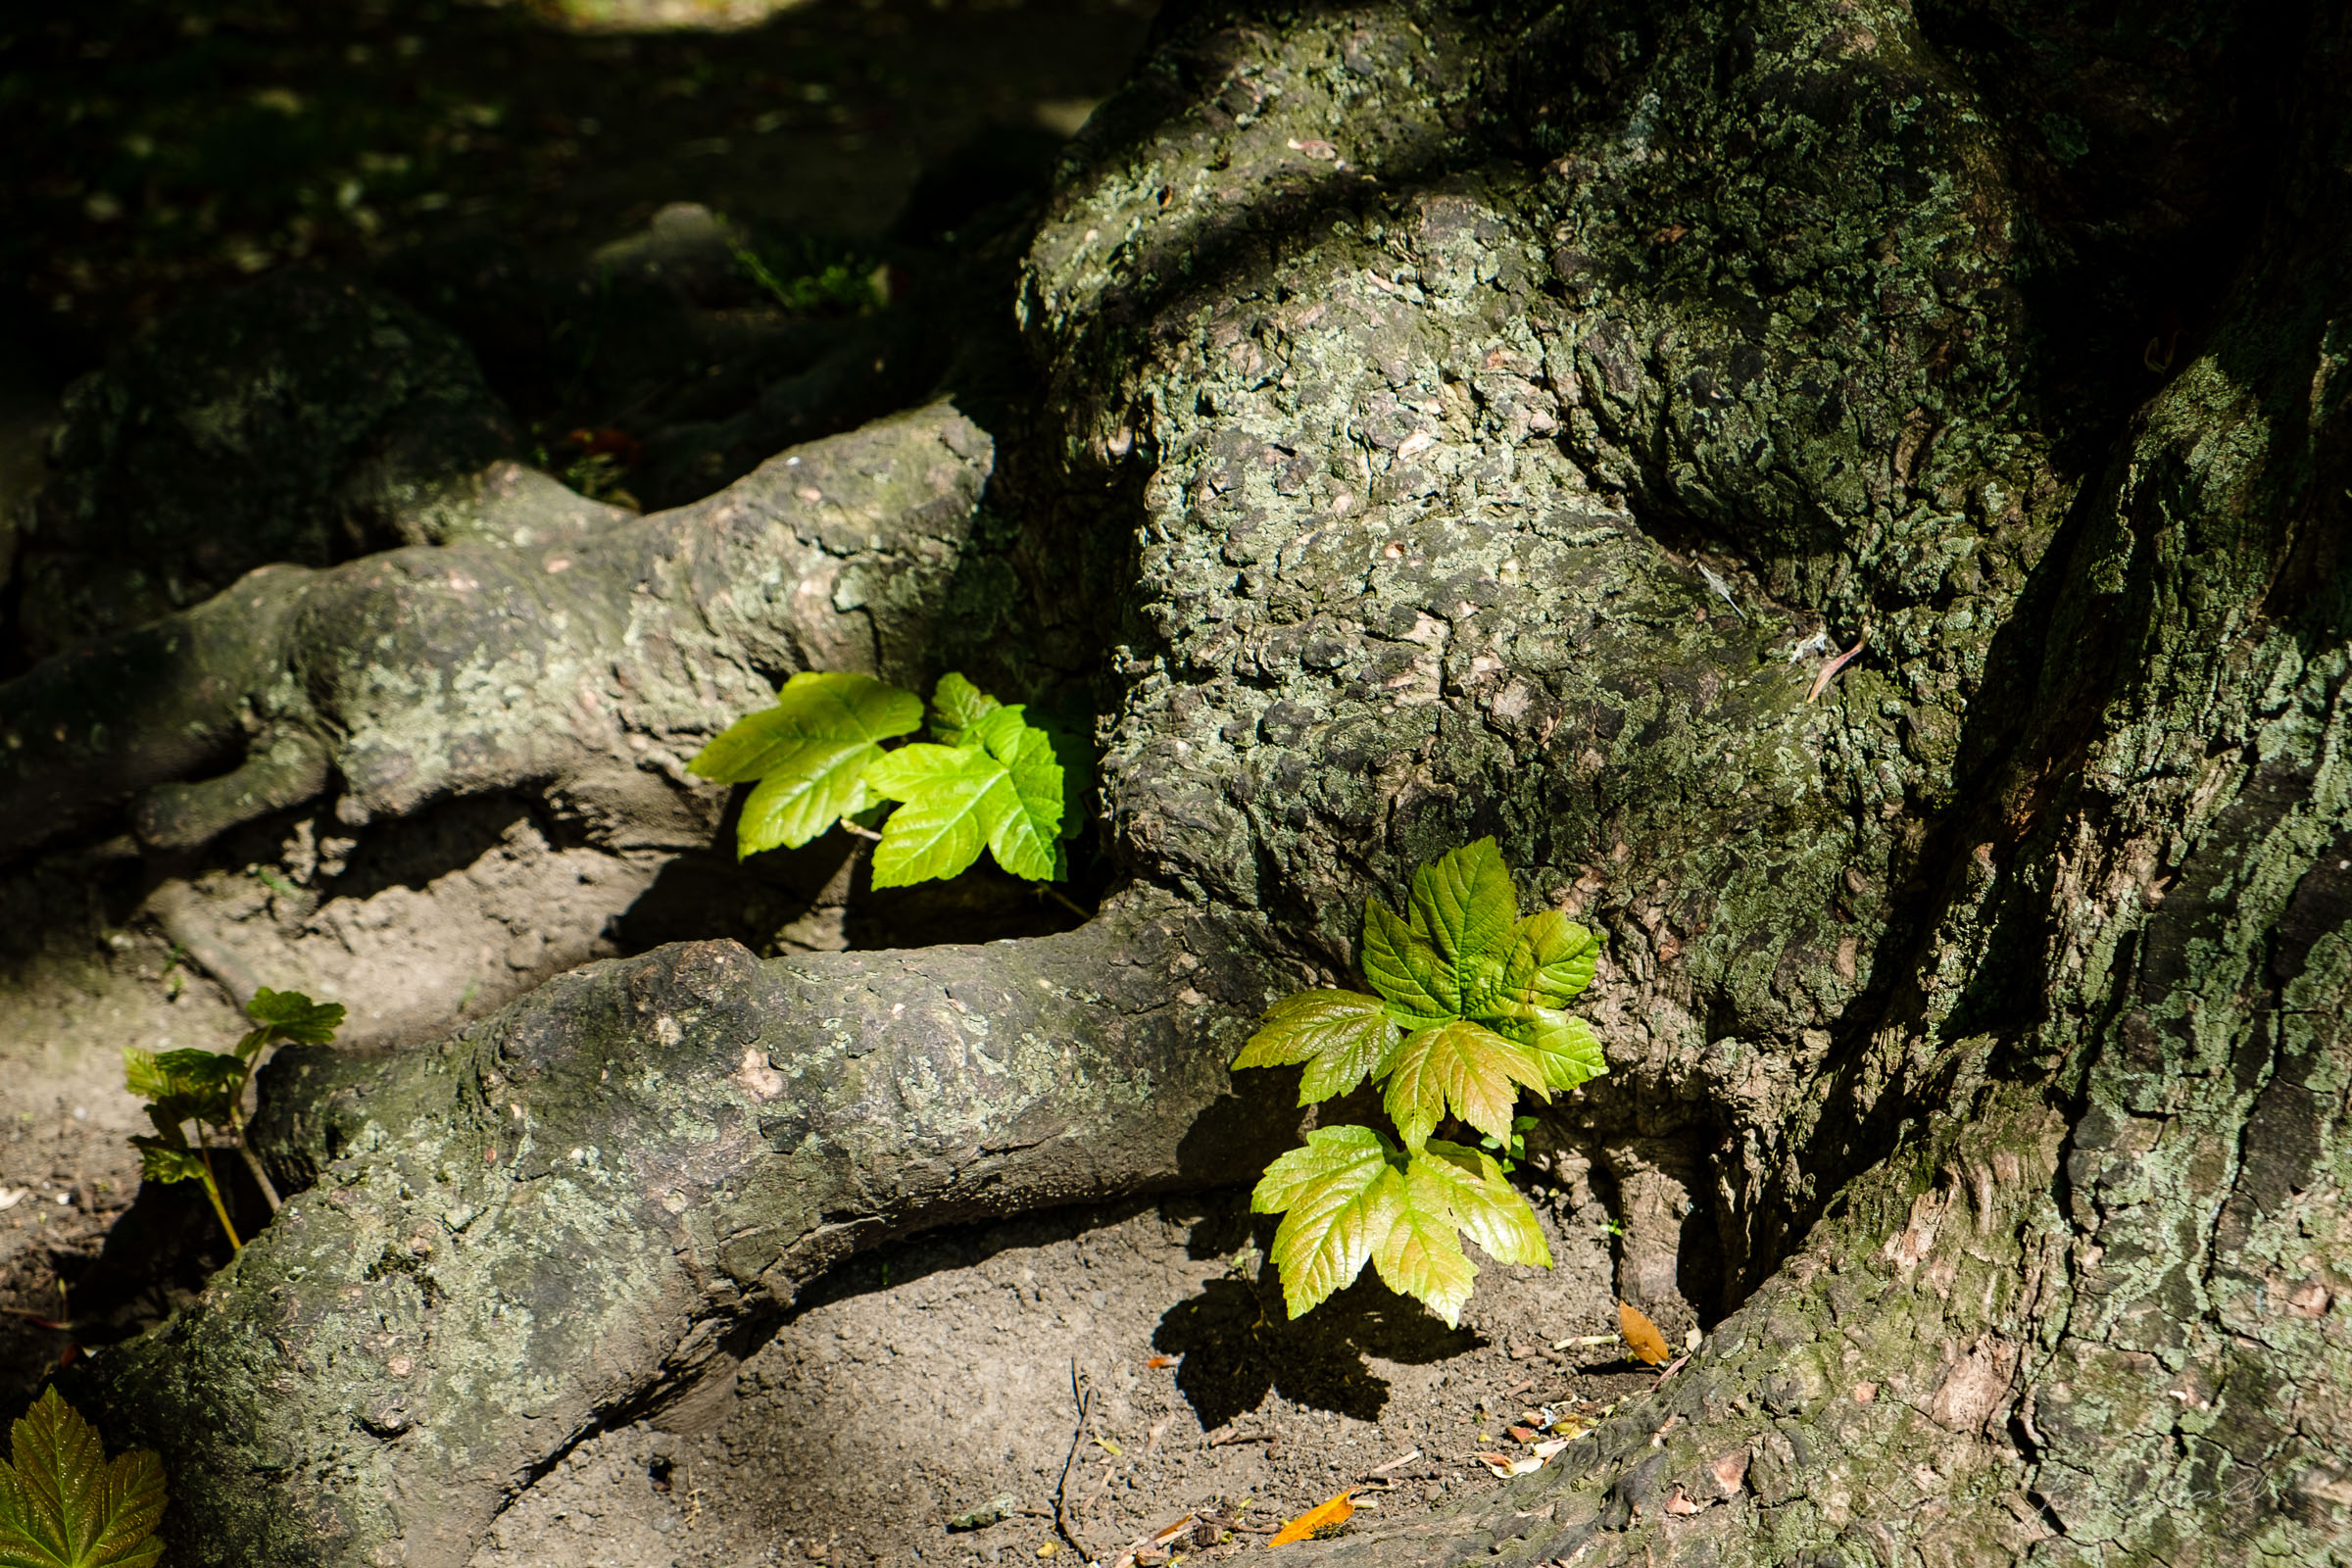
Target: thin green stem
{"x": 211, "y": 1190}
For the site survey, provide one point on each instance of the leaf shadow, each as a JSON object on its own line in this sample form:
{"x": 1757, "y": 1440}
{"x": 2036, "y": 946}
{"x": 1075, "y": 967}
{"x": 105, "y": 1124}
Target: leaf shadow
{"x": 1238, "y": 1346}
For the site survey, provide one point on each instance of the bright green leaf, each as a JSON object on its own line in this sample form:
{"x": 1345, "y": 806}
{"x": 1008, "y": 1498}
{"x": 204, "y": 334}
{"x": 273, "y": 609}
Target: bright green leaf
{"x": 810, "y": 752}
{"x": 1342, "y": 1036}
{"x": 63, "y": 1506}
{"x": 1488, "y": 1208}
{"x": 1420, "y": 1255}
{"x": 1405, "y": 970}
{"x": 1338, "y": 1196}
{"x": 143, "y": 1075}
{"x": 1564, "y": 1043}
{"x": 291, "y": 1016}
{"x": 1000, "y": 790}
{"x": 955, "y": 702}
{"x": 163, "y": 1162}
{"x": 1464, "y": 907}
{"x": 1550, "y": 960}
{"x": 1461, "y": 1067}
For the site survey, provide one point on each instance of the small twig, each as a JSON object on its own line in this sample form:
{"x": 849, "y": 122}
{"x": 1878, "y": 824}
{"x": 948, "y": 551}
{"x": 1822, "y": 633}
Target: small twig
{"x": 1821, "y": 682}
{"x": 1517, "y": 1388}
{"x": 857, "y": 831}
{"x": 1061, "y": 1494}
{"x": 1049, "y": 891}
{"x": 1221, "y": 1438}
{"x": 1404, "y": 1458}
{"x": 260, "y": 1177}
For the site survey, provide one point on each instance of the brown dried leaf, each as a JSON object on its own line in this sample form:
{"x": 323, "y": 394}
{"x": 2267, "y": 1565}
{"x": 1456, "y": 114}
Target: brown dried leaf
{"x": 1641, "y": 1335}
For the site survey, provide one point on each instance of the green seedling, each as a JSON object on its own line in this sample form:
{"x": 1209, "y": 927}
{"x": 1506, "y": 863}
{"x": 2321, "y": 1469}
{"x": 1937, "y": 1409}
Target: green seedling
{"x": 208, "y": 1088}
{"x": 63, "y": 1504}
{"x": 987, "y": 779}
{"x": 1471, "y": 1009}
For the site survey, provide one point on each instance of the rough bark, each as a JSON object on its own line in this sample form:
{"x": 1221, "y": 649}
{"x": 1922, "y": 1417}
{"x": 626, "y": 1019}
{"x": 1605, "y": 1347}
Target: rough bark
{"x": 585, "y": 671}
{"x": 569, "y": 1211}
{"x": 1441, "y": 363}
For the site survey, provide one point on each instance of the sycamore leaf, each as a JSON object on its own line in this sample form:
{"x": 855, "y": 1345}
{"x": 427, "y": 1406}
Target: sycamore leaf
{"x": 1421, "y": 1255}
{"x": 180, "y": 1084}
{"x": 1343, "y": 1036}
{"x": 1337, "y": 1198}
{"x": 810, "y": 752}
{"x": 955, "y": 704}
{"x": 1566, "y": 1045}
{"x": 163, "y": 1163}
{"x": 1463, "y": 907}
{"x": 1464, "y": 1067}
{"x": 1000, "y": 790}
{"x": 63, "y": 1506}
{"x": 1486, "y": 1207}
{"x": 291, "y": 1016}
{"x": 1405, "y": 969}
{"x": 1550, "y": 960}
{"x": 1641, "y": 1335}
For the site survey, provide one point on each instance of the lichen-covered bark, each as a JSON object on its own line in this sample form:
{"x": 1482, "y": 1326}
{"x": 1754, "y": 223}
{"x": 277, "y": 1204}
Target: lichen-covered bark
{"x": 1658, "y": 437}
{"x": 585, "y": 670}
{"x": 577, "y": 1205}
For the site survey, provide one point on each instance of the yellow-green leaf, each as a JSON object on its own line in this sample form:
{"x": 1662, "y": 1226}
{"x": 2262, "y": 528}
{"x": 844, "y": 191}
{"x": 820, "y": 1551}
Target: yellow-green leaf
{"x": 1405, "y": 969}
{"x": 1000, "y": 790}
{"x": 1342, "y": 1036}
{"x": 1564, "y": 1043}
{"x": 291, "y": 1016}
{"x": 810, "y": 751}
{"x": 955, "y": 705}
{"x": 1482, "y": 1202}
{"x": 1338, "y": 1198}
{"x": 1464, "y": 907}
{"x": 63, "y": 1506}
{"x": 1420, "y": 1255}
{"x": 1550, "y": 960}
{"x": 1461, "y": 1067}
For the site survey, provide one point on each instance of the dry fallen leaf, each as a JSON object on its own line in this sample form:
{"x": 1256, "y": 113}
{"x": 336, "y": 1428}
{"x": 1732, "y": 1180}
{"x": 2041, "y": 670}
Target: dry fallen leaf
{"x": 1641, "y": 1335}
{"x": 1503, "y": 1465}
{"x": 1158, "y": 1362}
{"x": 1321, "y": 1517}
{"x": 1521, "y": 1434}
{"x": 1548, "y": 1448}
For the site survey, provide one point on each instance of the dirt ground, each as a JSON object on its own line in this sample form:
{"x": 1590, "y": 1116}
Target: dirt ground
{"x": 924, "y": 1403}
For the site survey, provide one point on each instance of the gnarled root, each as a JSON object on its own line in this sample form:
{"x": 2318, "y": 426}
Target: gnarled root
{"x": 583, "y": 672}
{"x": 558, "y": 1215}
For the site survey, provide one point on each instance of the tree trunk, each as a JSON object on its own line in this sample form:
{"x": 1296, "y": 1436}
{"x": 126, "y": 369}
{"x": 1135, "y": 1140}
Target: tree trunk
{"x": 1851, "y": 498}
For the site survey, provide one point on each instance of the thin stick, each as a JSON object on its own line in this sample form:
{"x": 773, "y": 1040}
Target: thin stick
{"x": 1821, "y": 681}
{"x": 1085, "y": 1396}
{"x": 1066, "y": 900}
{"x": 253, "y": 1161}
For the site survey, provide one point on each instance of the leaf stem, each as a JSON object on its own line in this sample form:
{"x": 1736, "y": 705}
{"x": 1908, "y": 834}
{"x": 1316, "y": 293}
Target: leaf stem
{"x": 211, "y": 1190}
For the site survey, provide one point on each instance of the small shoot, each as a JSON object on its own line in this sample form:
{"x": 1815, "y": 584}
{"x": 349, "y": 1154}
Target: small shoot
{"x": 208, "y": 1089}
{"x": 63, "y": 1504}
{"x": 987, "y": 779}
{"x": 1471, "y": 1009}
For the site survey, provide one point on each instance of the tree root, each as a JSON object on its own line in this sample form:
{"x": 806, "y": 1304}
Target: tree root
{"x": 584, "y": 673}
{"x": 559, "y": 1216}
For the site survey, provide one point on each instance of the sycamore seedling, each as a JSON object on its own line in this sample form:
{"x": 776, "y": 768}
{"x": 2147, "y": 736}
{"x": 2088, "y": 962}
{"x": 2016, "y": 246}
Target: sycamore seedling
{"x": 987, "y": 779}
{"x": 208, "y": 1088}
{"x": 1471, "y": 1009}
{"x": 63, "y": 1506}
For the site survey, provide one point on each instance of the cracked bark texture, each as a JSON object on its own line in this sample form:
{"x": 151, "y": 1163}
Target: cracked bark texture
{"x": 1515, "y": 412}
{"x": 585, "y": 670}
